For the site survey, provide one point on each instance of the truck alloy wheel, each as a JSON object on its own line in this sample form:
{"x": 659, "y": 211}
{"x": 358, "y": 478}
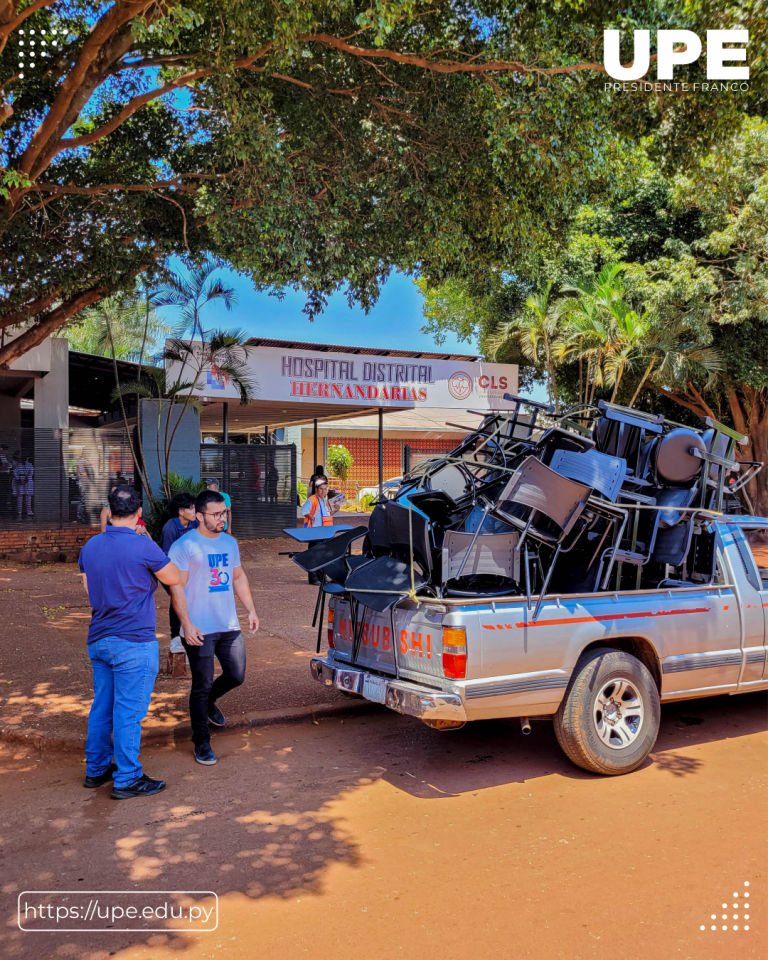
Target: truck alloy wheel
{"x": 609, "y": 718}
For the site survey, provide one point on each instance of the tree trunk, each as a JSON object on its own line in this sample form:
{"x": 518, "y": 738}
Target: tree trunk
{"x": 640, "y": 385}
{"x": 749, "y": 409}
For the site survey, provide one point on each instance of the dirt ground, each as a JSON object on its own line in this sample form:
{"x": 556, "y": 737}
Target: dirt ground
{"x": 378, "y": 837}
{"x": 45, "y": 673}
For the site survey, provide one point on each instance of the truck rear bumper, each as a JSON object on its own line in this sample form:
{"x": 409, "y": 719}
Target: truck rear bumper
{"x": 399, "y": 695}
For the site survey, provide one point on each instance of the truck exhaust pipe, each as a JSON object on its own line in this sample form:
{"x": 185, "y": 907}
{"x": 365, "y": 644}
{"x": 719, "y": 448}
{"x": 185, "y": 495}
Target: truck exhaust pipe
{"x": 525, "y": 725}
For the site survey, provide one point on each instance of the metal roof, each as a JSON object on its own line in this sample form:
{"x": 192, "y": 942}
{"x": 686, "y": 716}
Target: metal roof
{"x": 372, "y": 351}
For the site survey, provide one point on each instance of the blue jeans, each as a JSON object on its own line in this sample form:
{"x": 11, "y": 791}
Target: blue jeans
{"x": 123, "y": 677}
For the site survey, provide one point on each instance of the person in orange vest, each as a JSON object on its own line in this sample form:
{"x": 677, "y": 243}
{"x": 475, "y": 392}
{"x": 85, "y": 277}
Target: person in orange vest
{"x": 318, "y": 512}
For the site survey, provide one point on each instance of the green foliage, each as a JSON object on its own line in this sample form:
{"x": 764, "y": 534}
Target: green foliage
{"x": 118, "y": 322}
{"x": 320, "y": 143}
{"x": 174, "y": 483}
{"x": 339, "y": 461}
{"x": 301, "y": 490}
{"x": 367, "y": 500}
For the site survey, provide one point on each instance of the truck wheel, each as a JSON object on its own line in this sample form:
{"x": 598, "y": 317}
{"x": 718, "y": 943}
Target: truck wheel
{"x": 609, "y": 718}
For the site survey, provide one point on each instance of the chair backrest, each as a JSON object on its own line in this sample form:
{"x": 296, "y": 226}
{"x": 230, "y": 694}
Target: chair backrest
{"x": 378, "y": 528}
{"x": 597, "y": 470}
{"x": 621, "y": 432}
{"x": 408, "y": 527}
{"x": 674, "y": 462}
{"x": 493, "y": 554}
{"x": 555, "y": 438}
{"x": 537, "y": 486}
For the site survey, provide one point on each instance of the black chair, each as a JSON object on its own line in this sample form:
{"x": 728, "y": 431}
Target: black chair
{"x": 624, "y": 432}
{"x": 439, "y": 506}
{"x": 554, "y": 504}
{"x": 409, "y": 536}
{"x": 323, "y": 555}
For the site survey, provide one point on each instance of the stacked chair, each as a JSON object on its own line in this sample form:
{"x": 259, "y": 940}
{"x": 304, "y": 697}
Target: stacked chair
{"x": 532, "y": 504}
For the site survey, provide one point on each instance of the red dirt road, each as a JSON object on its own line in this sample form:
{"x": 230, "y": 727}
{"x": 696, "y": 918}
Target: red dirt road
{"x": 379, "y": 838}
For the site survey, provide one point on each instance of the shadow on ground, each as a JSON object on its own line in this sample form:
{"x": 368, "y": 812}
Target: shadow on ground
{"x": 266, "y": 821}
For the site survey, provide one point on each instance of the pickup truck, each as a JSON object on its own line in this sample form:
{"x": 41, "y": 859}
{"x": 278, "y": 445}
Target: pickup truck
{"x": 598, "y": 664}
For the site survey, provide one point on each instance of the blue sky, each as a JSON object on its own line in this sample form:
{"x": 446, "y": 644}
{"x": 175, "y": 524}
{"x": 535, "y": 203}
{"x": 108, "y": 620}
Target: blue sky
{"x": 394, "y": 322}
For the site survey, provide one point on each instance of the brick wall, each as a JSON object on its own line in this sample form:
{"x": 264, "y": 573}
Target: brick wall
{"x": 27, "y": 545}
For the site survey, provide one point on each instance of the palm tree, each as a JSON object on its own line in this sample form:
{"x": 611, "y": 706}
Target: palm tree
{"x": 537, "y": 331}
{"x": 673, "y": 354}
{"x": 193, "y": 292}
{"x": 598, "y": 329}
{"x": 120, "y": 326}
{"x": 224, "y": 353}
{"x": 627, "y": 346}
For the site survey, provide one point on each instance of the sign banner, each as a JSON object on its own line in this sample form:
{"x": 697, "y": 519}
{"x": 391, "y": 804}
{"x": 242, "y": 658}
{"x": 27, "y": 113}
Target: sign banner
{"x": 361, "y": 380}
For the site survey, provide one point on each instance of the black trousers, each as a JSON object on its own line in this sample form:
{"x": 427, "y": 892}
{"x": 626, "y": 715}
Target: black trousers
{"x": 173, "y": 617}
{"x": 229, "y": 650}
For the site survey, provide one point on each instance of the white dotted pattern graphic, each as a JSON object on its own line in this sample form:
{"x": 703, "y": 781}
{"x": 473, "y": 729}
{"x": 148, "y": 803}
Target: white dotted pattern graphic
{"x": 745, "y": 916}
{"x": 36, "y": 46}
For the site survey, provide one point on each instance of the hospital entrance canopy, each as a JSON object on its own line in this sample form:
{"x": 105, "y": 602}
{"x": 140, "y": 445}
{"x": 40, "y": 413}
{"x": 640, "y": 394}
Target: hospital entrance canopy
{"x": 300, "y": 382}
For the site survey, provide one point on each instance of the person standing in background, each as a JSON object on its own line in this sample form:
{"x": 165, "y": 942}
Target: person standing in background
{"x": 182, "y": 510}
{"x": 211, "y": 578}
{"x": 318, "y": 513}
{"x": 214, "y": 485}
{"x": 23, "y": 483}
{"x": 120, "y": 573}
{"x": 6, "y": 469}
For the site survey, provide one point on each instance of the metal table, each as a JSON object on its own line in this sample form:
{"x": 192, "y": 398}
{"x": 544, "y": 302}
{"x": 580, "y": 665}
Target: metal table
{"x": 315, "y": 534}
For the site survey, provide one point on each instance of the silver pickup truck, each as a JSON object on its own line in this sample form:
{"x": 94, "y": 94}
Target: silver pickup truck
{"x": 599, "y": 664}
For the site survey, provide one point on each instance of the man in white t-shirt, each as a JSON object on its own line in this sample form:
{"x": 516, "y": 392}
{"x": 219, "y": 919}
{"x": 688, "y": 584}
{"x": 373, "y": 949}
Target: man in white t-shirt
{"x": 211, "y": 578}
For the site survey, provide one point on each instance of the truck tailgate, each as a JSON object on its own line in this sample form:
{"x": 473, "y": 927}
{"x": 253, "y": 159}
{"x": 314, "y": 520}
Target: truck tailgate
{"x": 417, "y": 634}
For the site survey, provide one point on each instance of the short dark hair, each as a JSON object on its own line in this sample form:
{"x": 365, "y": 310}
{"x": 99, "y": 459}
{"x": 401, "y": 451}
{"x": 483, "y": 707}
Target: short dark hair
{"x": 207, "y": 496}
{"x": 179, "y": 501}
{"x": 124, "y": 501}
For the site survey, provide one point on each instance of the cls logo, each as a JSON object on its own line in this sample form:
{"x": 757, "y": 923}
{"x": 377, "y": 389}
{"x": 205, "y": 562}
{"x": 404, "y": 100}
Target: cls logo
{"x": 666, "y": 40}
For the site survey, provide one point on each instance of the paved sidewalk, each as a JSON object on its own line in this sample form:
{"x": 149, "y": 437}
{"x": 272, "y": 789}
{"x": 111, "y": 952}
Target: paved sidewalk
{"x": 45, "y": 674}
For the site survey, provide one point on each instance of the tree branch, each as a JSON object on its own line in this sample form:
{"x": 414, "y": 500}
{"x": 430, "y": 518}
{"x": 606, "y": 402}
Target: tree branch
{"x": 48, "y": 324}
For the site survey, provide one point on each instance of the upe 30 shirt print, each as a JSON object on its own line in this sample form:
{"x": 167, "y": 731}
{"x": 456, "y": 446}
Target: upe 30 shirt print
{"x": 220, "y": 575}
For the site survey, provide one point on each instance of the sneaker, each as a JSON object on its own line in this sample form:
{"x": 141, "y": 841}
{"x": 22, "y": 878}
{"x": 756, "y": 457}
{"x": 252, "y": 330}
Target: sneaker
{"x": 143, "y": 787}
{"x": 176, "y": 645}
{"x": 204, "y": 754}
{"x": 215, "y": 716}
{"x": 102, "y": 778}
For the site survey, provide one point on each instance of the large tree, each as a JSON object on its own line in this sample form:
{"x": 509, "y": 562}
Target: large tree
{"x": 311, "y": 142}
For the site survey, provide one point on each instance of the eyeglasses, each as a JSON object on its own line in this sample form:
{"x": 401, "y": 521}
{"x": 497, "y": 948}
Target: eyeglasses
{"x": 216, "y": 516}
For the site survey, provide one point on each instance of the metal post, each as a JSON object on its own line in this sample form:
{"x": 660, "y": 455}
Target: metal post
{"x": 266, "y": 433}
{"x": 381, "y": 453}
{"x": 314, "y": 446}
{"x": 225, "y": 420}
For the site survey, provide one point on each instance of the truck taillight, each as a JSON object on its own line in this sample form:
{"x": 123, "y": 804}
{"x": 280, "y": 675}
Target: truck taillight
{"x": 455, "y": 652}
{"x": 330, "y": 628}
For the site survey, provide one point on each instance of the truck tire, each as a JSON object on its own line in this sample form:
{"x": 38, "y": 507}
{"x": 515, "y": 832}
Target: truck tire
{"x": 609, "y": 718}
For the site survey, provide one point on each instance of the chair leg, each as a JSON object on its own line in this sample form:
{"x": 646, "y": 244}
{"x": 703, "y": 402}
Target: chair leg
{"x": 359, "y": 636}
{"x": 322, "y": 611}
{"x": 544, "y": 585}
{"x": 317, "y": 602}
{"x": 527, "y": 577}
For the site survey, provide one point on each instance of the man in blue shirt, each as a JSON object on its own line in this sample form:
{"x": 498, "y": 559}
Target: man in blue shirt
{"x": 211, "y": 578}
{"x": 182, "y": 510}
{"x": 120, "y": 572}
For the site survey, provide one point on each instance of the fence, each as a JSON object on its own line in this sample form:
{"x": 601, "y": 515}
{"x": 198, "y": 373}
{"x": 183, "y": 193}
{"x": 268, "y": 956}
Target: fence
{"x": 52, "y": 478}
{"x": 261, "y": 481}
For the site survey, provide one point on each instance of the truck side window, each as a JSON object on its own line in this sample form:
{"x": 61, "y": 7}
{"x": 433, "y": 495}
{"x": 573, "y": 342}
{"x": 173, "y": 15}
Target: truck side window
{"x": 758, "y": 545}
